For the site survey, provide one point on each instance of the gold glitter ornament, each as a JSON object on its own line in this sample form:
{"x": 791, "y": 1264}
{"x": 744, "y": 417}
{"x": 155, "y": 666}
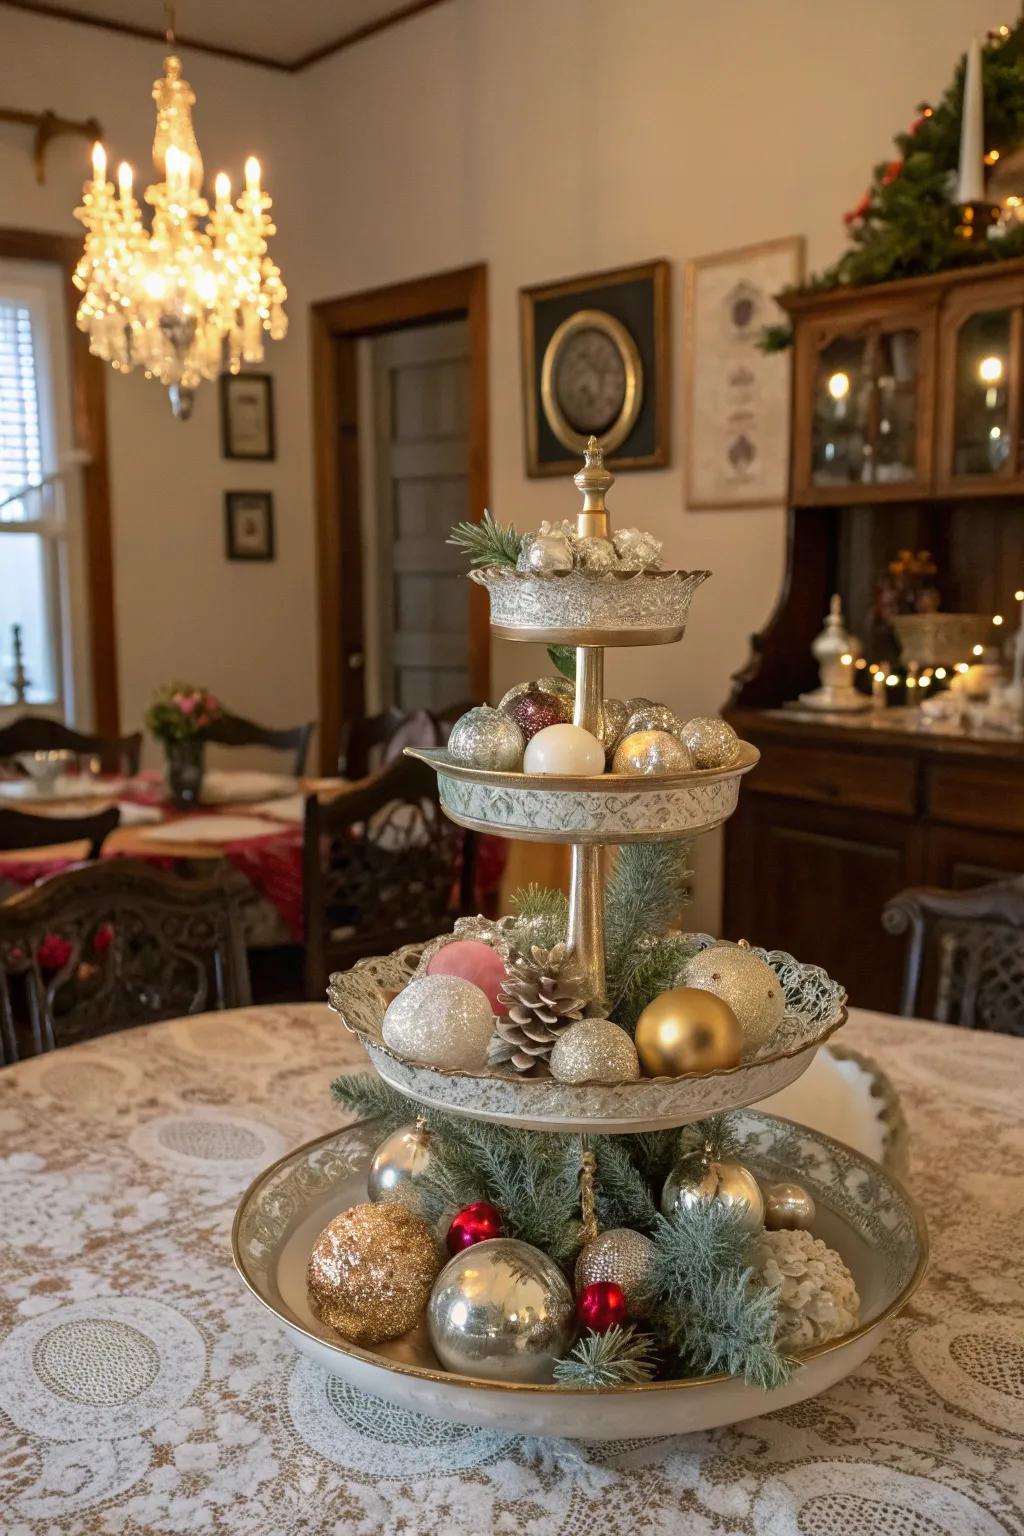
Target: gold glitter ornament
{"x": 712, "y": 742}
{"x": 743, "y": 980}
{"x": 620, "y": 1256}
{"x": 787, "y": 1207}
{"x": 371, "y": 1272}
{"x": 594, "y": 1050}
{"x": 687, "y": 1030}
{"x": 650, "y": 752}
{"x": 695, "y": 1179}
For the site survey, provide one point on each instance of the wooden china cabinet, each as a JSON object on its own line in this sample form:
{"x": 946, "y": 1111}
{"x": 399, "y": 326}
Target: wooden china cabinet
{"x": 908, "y": 433}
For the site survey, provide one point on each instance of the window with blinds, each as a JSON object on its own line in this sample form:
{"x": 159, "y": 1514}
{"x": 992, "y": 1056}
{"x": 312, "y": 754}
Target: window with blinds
{"x": 32, "y": 535}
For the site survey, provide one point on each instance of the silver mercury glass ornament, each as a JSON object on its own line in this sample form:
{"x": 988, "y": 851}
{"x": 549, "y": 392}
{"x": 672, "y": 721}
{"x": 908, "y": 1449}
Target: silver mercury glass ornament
{"x": 695, "y": 1179}
{"x": 398, "y": 1162}
{"x": 549, "y": 554}
{"x": 712, "y": 742}
{"x": 654, "y": 717}
{"x": 503, "y": 1311}
{"x": 595, "y": 554}
{"x": 650, "y": 752}
{"x": 487, "y": 738}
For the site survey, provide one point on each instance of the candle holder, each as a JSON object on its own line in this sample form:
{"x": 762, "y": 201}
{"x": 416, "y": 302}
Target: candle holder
{"x": 974, "y": 221}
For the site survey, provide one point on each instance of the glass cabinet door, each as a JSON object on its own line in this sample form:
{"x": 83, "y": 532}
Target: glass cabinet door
{"x": 866, "y": 410}
{"x": 982, "y": 433}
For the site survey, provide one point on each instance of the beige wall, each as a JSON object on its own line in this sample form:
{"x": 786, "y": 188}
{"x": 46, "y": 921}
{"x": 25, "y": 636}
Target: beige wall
{"x": 546, "y": 137}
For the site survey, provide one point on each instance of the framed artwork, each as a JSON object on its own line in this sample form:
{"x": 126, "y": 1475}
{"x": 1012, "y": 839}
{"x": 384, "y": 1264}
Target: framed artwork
{"x": 595, "y": 361}
{"x": 249, "y": 525}
{"x": 247, "y": 416}
{"x": 736, "y": 397}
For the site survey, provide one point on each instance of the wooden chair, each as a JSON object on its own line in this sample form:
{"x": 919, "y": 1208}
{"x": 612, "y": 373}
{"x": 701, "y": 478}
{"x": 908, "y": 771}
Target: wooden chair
{"x": 382, "y": 867}
{"x": 34, "y": 733}
{"x": 234, "y": 731}
{"x": 369, "y": 743}
{"x": 20, "y": 829}
{"x": 105, "y": 946}
{"x": 968, "y": 946}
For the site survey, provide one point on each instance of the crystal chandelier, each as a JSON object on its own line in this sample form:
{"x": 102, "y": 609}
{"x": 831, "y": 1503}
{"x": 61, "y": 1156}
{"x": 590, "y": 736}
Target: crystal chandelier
{"x": 192, "y": 295}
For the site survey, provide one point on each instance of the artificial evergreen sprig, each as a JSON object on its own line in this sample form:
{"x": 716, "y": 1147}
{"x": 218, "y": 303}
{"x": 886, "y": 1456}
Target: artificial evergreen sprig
{"x": 610, "y": 1359}
{"x": 487, "y": 542}
{"x": 704, "y": 1300}
{"x": 643, "y": 899}
{"x": 646, "y": 972}
{"x": 368, "y": 1097}
{"x": 545, "y": 910}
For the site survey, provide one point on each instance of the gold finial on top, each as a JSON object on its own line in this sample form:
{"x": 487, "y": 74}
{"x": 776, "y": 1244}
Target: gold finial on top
{"x": 594, "y": 481}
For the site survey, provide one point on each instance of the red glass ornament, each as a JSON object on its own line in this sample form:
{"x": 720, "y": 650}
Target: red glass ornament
{"x": 475, "y": 1224}
{"x": 534, "y": 711}
{"x": 601, "y": 1305}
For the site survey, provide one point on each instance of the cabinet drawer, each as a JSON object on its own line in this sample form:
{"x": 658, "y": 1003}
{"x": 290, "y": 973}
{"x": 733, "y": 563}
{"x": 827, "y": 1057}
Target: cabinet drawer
{"x": 870, "y": 781}
{"x": 968, "y": 796}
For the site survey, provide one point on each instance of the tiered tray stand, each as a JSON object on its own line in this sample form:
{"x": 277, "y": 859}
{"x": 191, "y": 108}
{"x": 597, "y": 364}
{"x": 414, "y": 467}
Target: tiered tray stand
{"x": 862, "y": 1210}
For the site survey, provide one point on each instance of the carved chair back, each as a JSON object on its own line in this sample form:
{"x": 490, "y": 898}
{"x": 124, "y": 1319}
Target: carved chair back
{"x": 104, "y": 946}
{"x": 234, "y": 731}
{"x": 970, "y": 946}
{"x": 20, "y": 829}
{"x": 34, "y": 733}
{"x": 382, "y": 867}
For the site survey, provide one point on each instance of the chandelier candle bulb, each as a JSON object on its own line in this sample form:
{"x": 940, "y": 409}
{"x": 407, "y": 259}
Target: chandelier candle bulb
{"x": 99, "y": 164}
{"x": 252, "y": 176}
{"x": 222, "y": 189}
{"x": 124, "y": 181}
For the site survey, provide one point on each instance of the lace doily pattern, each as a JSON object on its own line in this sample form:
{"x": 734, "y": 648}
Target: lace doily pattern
{"x": 143, "y": 1390}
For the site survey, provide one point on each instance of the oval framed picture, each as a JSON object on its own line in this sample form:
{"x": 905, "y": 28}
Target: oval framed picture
{"x": 592, "y": 381}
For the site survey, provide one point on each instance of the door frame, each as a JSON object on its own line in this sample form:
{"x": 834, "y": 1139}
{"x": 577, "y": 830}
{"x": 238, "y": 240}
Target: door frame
{"x": 336, "y": 327}
{"x": 89, "y": 422}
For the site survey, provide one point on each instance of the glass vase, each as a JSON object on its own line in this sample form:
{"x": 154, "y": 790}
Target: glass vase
{"x": 184, "y": 772}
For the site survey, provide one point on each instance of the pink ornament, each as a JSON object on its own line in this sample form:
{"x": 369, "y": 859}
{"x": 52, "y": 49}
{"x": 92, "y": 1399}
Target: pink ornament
{"x": 474, "y": 961}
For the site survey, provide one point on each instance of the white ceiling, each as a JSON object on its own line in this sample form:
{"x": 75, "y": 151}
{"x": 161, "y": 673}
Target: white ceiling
{"x": 284, "y": 33}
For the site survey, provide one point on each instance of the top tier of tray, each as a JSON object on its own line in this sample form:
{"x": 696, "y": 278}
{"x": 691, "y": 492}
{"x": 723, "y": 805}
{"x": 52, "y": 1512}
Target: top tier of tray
{"x": 616, "y": 607}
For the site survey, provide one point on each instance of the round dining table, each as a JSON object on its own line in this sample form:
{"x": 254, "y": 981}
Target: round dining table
{"x": 142, "y": 1389}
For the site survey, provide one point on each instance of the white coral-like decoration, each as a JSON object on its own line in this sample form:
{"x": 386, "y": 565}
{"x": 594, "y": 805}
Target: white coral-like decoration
{"x": 818, "y": 1299}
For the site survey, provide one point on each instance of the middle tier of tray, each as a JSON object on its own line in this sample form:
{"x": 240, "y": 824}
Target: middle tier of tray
{"x": 608, "y": 808}
{"x": 815, "y": 1009}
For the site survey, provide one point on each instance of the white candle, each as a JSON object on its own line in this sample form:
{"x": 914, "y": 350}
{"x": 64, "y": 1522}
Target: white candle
{"x": 971, "y": 183}
{"x": 1018, "y": 652}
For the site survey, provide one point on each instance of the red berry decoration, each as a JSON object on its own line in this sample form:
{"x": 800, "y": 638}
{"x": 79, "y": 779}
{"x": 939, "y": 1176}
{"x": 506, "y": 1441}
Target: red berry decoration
{"x": 600, "y": 1305}
{"x": 534, "y": 711}
{"x": 474, "y": 1224}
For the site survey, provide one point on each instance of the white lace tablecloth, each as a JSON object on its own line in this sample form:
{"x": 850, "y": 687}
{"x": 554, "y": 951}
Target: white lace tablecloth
{"x": 143, "y": 1390}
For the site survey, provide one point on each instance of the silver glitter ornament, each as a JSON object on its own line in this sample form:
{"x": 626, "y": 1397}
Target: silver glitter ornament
{"x": 594, "y": 1050}
{"x": 443, "y": 1020}
{"x": 614, "y": 715}
{"x": 654, "y": 717}
{"x": 746, "y": 982}
{"x": 637, "y": 551}
{"x": 503, "y": 1311}
{"x": 650, "y": 752}
{"x": 562, "y": 686}
{"x": 397, "y": 1163}
{"x": 487, "y": 738}
{"x": 595, "y": 554}
{"x": 712, "y": 742}
{"x": 787, "y": 1207}
{"x": 622, "y": 1257}
{"x": 549, "y": 554}
{"x": 695, "y": 1179}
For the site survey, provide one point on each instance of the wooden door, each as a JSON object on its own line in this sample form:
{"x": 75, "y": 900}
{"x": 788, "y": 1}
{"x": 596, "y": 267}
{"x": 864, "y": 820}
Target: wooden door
{"x": 416, "y": 597}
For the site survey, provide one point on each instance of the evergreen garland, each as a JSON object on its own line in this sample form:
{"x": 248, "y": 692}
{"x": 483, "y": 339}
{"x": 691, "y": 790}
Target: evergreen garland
{"x": 905, "y": 224}
{"x": 544, "y": 910}
{"x": 487, "y": 542}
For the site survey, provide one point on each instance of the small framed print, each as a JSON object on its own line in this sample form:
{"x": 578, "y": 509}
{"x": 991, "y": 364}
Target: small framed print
{"x": 249, "y": 525}
{"x": 736, "y": 397}
{"x": 247, "y": 416}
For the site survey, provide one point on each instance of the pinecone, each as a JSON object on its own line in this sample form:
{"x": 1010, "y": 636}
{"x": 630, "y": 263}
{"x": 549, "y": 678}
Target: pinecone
{"x": 817, "y": 1296}
{"x": 544, "y": 995}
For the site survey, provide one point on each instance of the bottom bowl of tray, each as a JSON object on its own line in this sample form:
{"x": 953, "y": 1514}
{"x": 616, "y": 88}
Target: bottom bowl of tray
{"x": 815, "y": 1009}
{"x": 862, "y": 1211}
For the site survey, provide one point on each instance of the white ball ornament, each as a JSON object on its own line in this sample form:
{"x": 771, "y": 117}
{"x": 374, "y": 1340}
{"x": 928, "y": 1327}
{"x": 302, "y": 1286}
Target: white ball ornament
{"x": 445, "y": 1021}
{"x": 564, "y": 749}
{"x": 746, "y": 982}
